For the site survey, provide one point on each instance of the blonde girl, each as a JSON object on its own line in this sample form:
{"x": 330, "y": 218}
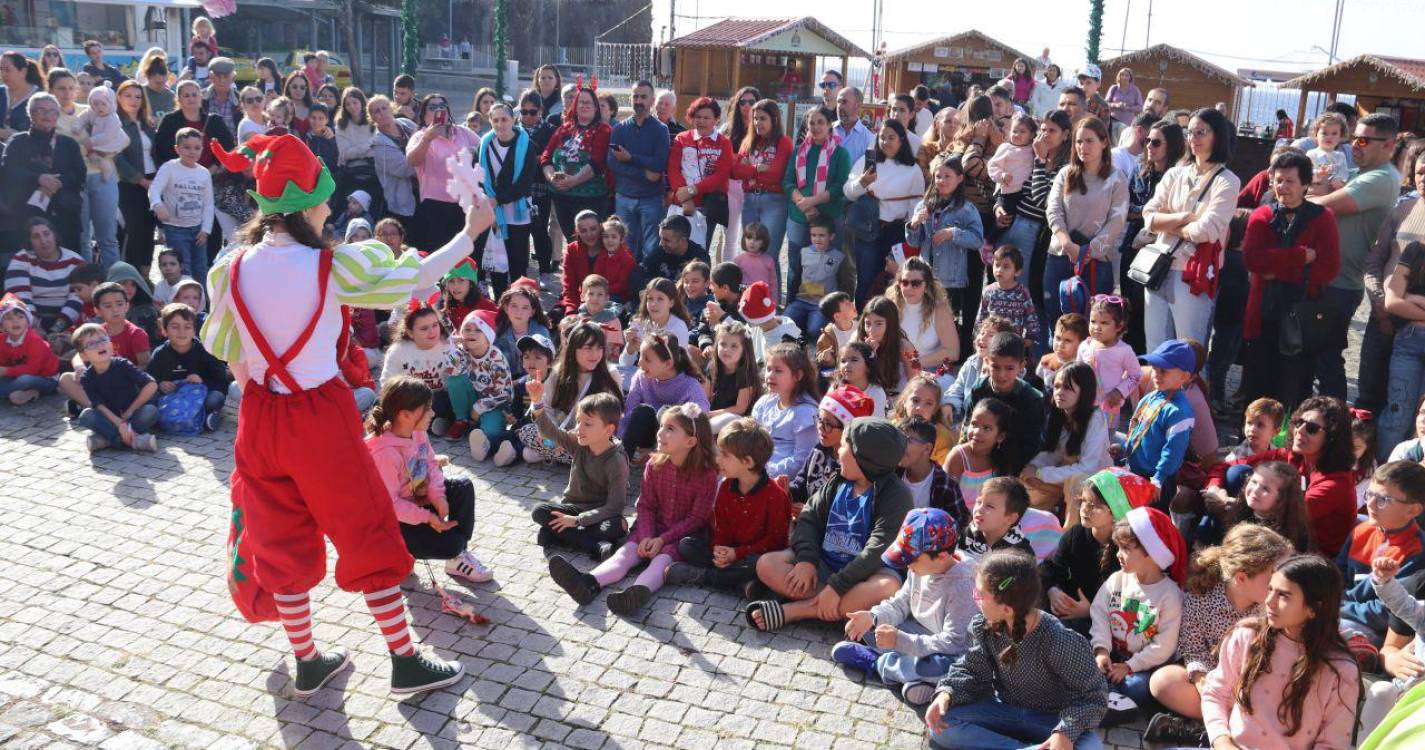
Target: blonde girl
{"x": 921, "y": 398}
{"x": 733, "y": 384}
{"x": 676, "y": 500}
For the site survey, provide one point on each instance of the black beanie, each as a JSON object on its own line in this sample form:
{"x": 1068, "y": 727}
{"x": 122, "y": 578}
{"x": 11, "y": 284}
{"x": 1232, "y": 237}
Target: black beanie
{"x": 877, "y": 445}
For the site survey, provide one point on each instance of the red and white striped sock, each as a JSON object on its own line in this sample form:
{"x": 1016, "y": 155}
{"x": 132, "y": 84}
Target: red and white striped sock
{"x": 296, "y": 613}
{"x": 388, "y": 606}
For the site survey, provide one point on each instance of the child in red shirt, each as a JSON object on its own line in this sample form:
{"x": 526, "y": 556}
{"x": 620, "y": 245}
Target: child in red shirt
{"x": 127, "y": 340}
{"x": 27, "y": 364}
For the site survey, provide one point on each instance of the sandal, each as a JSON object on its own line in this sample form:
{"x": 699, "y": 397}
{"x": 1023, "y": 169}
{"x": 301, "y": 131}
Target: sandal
{"x": 772, "y": 617}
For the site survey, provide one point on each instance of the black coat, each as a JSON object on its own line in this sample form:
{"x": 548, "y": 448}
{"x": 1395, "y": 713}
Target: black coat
{"x": 130, "y": 161}
{"x": 213, "y": 127}
{"x": 27, "y": 157}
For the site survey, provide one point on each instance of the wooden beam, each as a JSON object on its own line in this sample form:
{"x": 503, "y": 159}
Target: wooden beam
{"x": 1301, "y": 113}
{"x": 707, "y": 63}
{"x": 736, "y": 82}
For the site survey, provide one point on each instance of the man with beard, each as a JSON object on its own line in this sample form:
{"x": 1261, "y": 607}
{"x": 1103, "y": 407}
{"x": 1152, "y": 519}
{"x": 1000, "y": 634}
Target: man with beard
{"x": 638, "y": 157}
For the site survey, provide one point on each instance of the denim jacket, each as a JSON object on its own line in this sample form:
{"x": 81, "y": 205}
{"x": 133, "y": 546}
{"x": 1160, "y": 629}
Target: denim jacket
{"x": 948, "y": 258}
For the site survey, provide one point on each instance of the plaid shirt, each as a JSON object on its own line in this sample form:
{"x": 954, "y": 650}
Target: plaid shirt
{"x": 673, "y": 505}
{"x": 945, "y": 495}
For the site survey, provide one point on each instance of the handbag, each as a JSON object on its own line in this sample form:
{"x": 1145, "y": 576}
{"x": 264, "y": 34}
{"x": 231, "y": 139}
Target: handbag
{"x": 1311, "y": 326}
{"x": 1152, "y": 263}
{"x": 863, "y": 216}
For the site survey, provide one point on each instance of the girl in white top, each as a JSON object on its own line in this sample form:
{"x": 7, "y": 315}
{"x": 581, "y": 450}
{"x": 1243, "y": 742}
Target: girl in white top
{"x": 926, "y": 316}
{"x": 1076, "y": 443}
{"x": 1194, "y": 202}
{"x": 894, "y": 179}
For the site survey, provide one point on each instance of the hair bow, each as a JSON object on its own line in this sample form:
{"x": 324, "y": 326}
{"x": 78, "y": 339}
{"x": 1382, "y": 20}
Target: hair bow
{"x": 417, "y": 303}
{"x": 691, "y": 410}
{"x": 1362, "y": 414}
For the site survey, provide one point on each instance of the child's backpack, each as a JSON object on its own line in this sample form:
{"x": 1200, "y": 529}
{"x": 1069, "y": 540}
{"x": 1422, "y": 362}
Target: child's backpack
{"x": 181, "y": 412}
{"x": 1077, "y": 291}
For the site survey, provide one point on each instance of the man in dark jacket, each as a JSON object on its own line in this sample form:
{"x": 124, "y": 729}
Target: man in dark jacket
{"x": 44, "y": 172}
{"x": 674, "y": 251}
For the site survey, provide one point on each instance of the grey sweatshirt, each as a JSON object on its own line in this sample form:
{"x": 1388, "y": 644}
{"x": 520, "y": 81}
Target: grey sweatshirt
{"x": 943, "y": 604}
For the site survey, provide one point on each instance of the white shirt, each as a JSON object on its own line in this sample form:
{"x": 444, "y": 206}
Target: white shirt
{"x": 920, "y": 331}
{"x": 920, "y": 491}
{"x": 899, "y": 187}
{"x": 924, "y": 118}
{"x": 1126, "y": 163}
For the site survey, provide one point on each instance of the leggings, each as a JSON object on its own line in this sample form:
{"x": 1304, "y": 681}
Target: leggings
{"x": 425, "y": 543}
{"x": 540, "y": 232}
{"x": 626, "y": 559}
{"x": 139, "y": 223}
{"x": 641, "y": 430}
{"x": 435, "y": 223}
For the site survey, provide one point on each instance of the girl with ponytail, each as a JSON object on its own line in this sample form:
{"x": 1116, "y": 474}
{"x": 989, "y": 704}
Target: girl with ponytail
{"x": 665, "y": 377}
{"x": 1026, "y": 680}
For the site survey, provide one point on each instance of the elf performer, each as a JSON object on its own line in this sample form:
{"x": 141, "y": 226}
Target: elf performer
{"x": 301, "y": 471}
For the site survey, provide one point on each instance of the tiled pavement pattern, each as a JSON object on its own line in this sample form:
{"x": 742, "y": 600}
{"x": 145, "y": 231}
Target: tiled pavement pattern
{"x": 116, "y": 630}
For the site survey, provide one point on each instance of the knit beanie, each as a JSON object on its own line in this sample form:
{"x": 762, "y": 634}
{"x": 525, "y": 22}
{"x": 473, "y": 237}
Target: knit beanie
{"x": 876, "y": 445}
{"x": 1161, "y": 540}
{"x": 289, "y": 177}
{"x": 1122, "y": 490}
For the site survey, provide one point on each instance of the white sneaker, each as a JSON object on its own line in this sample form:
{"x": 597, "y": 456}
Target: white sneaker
{"x": 146, "y": 443}
{"x": 96, "y": 443}
{"x": 467, "y": 566}
{"x": 479, "y": 445}
{"x": 20, "y": 398}
{"x": 506, "y": 454}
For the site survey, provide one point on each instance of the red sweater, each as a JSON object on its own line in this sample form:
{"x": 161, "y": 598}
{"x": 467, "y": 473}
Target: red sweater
{"x": 355, "y": 368}
{"x": 1264, "y": 255}
{"x": 770, "y": 180}
{"x": 1256, "y": 191}
{"x": 617, "y": 267}
{"x": 1330, "y": 498}
{"x": 711, "y": 157}
{"x": 31, "y": 357}
{"x": 753, "y": 523}
{"x": 596, "y": 143}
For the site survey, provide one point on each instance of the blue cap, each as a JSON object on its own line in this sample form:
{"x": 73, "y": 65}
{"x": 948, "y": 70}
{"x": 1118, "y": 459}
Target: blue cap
{"x": 535, "y": 339}
{"x": 925, "y": 530}
{"x": 1173, "y": 354}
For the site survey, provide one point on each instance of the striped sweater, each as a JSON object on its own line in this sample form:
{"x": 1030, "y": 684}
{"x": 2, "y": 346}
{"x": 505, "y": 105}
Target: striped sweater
{"x": 44, "y": 286}
{"x": 1036, "y": 192}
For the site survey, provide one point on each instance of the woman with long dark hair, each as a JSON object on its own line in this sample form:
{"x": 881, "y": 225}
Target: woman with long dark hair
{"x": 547, "y": 83}
{"x": 816, "y": 175}
{"x": 19, "y": 80}
{"x": 891, "y": 178}
{"x": 1163, "y": 150}
{"x": 299, "y": 91}
{"x": 1286, "y": 679}
{"x": 739, "y": 124}
{"x": 762, "y": 156}
{"x": 1087, "y": 208}
{"x": 269, "y": 78}
{"x": 438, "y": 216}
{"x": 136, "y": 168}
{"x": 153, "y": 74}
{"x": 575, "y": 161}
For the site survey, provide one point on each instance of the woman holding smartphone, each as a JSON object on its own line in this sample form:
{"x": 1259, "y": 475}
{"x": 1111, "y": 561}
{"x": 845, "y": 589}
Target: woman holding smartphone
{"x": 438, "y": 215}
{"x": 888, "y": 174}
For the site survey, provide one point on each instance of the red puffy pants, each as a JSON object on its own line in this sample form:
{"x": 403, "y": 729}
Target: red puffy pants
{"x": 302, "y": 471}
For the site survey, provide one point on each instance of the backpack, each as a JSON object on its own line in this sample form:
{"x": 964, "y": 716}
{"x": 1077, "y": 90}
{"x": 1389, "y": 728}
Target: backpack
{"x": 181, "y": 412}
{"x": 1077, "y": 291}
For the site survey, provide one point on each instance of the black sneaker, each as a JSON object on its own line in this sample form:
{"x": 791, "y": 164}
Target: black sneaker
{"x": 1171, "y": 728}
{"x": 604, "y": 551}
{"x": 685, "y": 574}
{"x": 418, "y": 673}
{"x": 315, "y": 673}
{"x": 546, "y": 537}
{"x": 755, "y": 590}
{"x": 213, "y": 421}
{"x": 628, "y": 602}
{"x": 580, "y": 586}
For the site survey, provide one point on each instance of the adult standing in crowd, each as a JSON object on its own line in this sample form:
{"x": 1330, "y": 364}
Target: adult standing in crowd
{"x": 388, "y": 156}
{"x": 978, "y": 137}
{"x": 853, "y": 134}
{"x": 41, "y": 159}
{"x": 190, "y": 114}
{"x": 638, "y": 159}
{"x": 1292, "y": 252}
{"x": 511, "y": 162}
{"x": 891, "y": 179}
{"x": 1403, "y": 225}
{"x": 269, "y": 78}
{"x": 102, "y": 71}
{"x": 1023, "y": 224}
{"x": 355, "y": 140}
{"x": 1124, "y": 99}
{"x": 762, "y": 157}
{"x": 1285, "y": 127}
{"x": 547, "y": 83}
{"x": 299, "y": 91}
{"x": 438, "y": 215}
{"x": 575, "y": 161}
{"x": 153, "y": 72}
{"x": 939, "y": 139}
{"x": 738, "y": 125}
{"x": 1021, "y": 81}
{"x": 699, "y": 166}
{"x": 903, "y": 110}
{"x": 665, "y": 108}
{"x": 136, "y": 168}
{"x": 479, "y": 118}
{"x": 21, "y": 79}
{"x": 220, "y": 97}
{"x": 99, "y": 215}
{"x": 50, "y": 58}
{"x": 1190, "y": 212}
{"x": 403, "y": 97}
{"x": 1087, "y": 210}
{"x": 924, "y": 114}
{"x": 1360, "y": 207}
{"x": 532, "y": 122}
{"x": 1047, "y": 90}
{"x": 1163, "y": 148}
{"x": 813, "y": 182}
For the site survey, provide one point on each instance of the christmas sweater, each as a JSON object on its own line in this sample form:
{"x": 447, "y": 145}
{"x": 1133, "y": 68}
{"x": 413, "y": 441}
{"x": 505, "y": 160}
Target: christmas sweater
{"x": 1137, "y": 623}
{"x": 488, "y": 373}
{"x": 430, "y": 366}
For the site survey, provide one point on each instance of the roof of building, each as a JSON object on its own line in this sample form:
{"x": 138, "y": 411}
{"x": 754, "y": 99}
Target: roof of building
{"x": 1406, "y": 70}
{"x": 952, "y": 39}
{"x": 746, "y": 33}
{"x": 1176, "y": 55}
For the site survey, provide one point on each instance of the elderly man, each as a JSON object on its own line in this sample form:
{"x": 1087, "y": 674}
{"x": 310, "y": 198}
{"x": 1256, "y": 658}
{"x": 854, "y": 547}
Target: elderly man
{"x": 663, "y": 109}
{"x": 855, "y": 136}
{"x": 44, "y": 172}
{"x": 221, "y": 96}
{"x": 1360, "y": 208}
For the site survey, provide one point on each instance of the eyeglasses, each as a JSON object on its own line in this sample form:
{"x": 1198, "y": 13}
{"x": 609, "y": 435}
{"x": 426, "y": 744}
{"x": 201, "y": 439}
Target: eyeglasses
{"x": 530, "y": 112}
{"x": 1154, "y": 142}
{"x": 912, "y": 283}
{"x": 95, "y": 343}
{"x": 746, "y": 102}
{"x": 1198, "y": 132}
{"x": 830, "y": 425}
{"x": 1311, "y": 428}
{"x": 1378, "y": 500}
{"x": 829, "y": 84}
{"x": 1365, "y": 140}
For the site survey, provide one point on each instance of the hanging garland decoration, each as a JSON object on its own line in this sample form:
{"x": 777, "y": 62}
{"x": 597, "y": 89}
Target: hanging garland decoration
{"x": 410, "y": 38}
{"x": 501, "y": 50}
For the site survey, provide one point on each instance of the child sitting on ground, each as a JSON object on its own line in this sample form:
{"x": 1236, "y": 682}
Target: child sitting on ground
{"x": 1260, "y": 423}
{"x": 665, "y": 377}
{"x": 994, "y": 521}
{"x": 1003, "y": 382}
{"x": 695, "y": 291}
{"x": 838, "y": 308}
{"x": 583, "y": 369}
{"x": 676, "y": 499}
{"x": 972, "y": 369}
{"x": 732, "y": 379}
{"x": 1395, "y": 498}
{"x": 480, "y": 388}
{"x": 930, "y": 486}
{"x": 838, "y": 407}
{"x": 912, "y": 638}
{"x": 597, "y": 306}
{"x": 921, "y": 398}
{"x": 28, "y": 365}
{"x": 1383, "y": 694}
{"x": 421, "y": 350}
{"x": 1113, "y": 361}
{"x": 170, "y": 271}
{"x": 183, "y": 359}
{"x": 726, "y": 284}
{"x": 750, "y": 515}
{"x": 589, "y": 517}
{"x": 141, "y": 311}
{"x": 117, "y": 395}
{"x": 437, "y": 515}
{"x": 536, "y": 355}
{"x": 126, "y": 340}
{"x": 834, "y": 566}
{"x": 788, "y": 408}
{"x": 1069, "y": 332}
{"x": 460, "y": 295}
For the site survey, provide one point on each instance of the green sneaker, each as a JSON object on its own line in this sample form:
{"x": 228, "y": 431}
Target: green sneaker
{"x": 314, "y": 673}
{"x": 418, "y": 673}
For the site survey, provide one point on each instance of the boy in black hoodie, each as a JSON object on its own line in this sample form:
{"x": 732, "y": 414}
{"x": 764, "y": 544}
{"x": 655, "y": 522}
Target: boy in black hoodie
{"x": 141, "y": 313}
{"x": 182, "y": 359}
{"x": 1005, "y": 382}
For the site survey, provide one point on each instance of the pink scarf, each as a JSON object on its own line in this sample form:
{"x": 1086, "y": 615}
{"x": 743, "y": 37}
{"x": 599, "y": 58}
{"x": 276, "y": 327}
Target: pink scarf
{"x": 822, "y": 165}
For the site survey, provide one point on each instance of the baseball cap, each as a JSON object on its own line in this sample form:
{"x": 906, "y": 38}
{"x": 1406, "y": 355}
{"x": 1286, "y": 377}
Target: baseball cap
{"x": 1091, "y": 71}
{"x": 925, "y": 530}
{"x": 1172, "y": 354}
{"x": 535, "y": 339}
{"x": 222, "y": 66}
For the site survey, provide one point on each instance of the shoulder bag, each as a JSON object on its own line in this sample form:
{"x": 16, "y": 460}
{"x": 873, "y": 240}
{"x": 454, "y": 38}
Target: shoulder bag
{"x": 1312, "y": 326}
{"x": 1152, "y": 263}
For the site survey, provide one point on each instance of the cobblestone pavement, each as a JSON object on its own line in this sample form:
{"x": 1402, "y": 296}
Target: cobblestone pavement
{"x": 116, "y": 630}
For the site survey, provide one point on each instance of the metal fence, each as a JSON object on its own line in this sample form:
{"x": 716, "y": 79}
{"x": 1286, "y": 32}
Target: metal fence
{"x": 622, "y": 65}
{"x": 482, "y": 56}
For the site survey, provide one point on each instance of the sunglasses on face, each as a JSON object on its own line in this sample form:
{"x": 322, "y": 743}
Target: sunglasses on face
{"x": 1362, "y": 141}
{"x": 912, "y": 283}
{"x": 252, "y": 100}
{"x": 437, "y": 105}
{"x": 829, "y": 84}
{"x": 530, "y": 112}
{"x": 1311, "y": 428}
{"x": 1154, "y": 142}
{"x": 747, "y": 102}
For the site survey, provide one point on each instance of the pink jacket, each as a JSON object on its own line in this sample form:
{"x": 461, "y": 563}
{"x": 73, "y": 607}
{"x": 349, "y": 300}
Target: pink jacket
{"x": 399, "y": 461}
{"x": 1327, "y": 716}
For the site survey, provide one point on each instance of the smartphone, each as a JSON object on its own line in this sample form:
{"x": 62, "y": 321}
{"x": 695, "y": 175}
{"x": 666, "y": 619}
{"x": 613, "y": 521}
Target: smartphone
{"x": 871, "y": 157}
{"x": 441, "y": 117}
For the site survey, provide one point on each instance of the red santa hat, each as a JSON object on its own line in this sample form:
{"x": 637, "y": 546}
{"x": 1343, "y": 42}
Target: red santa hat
{"x": 527, "y": 283}
{"x": 757, "y": 306}
{"x": 289, "y": 177}
{"x": 485, "y": 320}
{"x": 1160, "y": 539}
{"x": 847, "y": 402}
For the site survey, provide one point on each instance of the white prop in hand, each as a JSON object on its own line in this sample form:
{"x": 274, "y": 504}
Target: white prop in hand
{"x": 466, "y": 181}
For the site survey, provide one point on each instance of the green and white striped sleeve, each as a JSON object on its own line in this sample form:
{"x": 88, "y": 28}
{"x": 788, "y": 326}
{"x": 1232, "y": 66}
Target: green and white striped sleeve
{"x": 367, "y": 274}
{"x": 220, "y": 331}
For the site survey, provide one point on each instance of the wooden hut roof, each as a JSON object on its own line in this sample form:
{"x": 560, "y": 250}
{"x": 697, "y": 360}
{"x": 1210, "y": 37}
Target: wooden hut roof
{"x": 1408, "y": 71}
{"x": 1176, "y": 55}
{"x": 746, "y": 33}
{"x": 953, "y": 39}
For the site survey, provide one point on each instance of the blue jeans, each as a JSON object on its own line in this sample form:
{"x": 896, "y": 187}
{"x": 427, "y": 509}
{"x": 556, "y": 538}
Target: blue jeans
{"x": 798, "y": 237}
{"x": 808, "y": 317}
{"x": 1227, "y": 322}
{"x": 185, "y": 241}
{"x": 142, "y": 422}
{"x": 101, "y": 205}
{"x": 769, "y": 210}
{"x": 1135, "y": 686}
{"x": 45, "y": 386}
{"x": 1174, "y": 312}
{"x": 641, "y": 216}
{"x": 1407, "y": 381}
{"x": 1057, "y": 268}
{"x": 1331, "y": 365}
{"x": 1024, "y": 235}
{"x": 898, "y": 668}
{"x": 365, "y": 398}
{"x": 1371, "y": 378}
{"x": 992, "y": 725}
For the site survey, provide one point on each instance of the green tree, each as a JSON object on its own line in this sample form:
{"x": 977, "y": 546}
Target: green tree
{"x": 410, "y": 37}
{"x": 1095, "y": 29}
